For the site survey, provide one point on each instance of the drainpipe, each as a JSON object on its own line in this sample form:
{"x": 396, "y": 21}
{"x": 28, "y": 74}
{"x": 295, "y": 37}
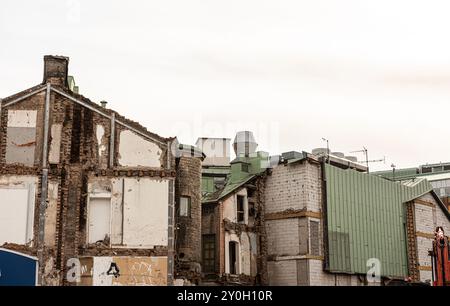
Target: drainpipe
{"x": 44, "y": 188}
{"x": 325, "y": 244}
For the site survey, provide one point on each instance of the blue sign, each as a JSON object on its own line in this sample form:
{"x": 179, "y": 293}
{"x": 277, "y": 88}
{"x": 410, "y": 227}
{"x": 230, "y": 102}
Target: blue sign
{"x": 17, "y": 269}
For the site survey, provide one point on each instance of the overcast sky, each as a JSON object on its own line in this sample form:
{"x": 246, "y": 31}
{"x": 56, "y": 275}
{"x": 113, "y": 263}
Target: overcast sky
{"x": 359, "y": 73}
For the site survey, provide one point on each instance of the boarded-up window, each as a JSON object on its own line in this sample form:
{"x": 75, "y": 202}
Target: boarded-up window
{"x": 209, "y": 253}
{"x": 314, "y": 237}
{"x": 21, "y": 137}
{"x": 99, "y": 219}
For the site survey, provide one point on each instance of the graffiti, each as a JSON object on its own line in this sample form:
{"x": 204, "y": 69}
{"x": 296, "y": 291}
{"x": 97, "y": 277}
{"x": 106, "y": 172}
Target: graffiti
{"x": 113, "y": 270}
{"x": 146, "y": 273}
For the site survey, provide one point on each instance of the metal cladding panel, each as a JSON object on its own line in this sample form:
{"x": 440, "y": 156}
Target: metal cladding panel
{"x": 365, "y": 216}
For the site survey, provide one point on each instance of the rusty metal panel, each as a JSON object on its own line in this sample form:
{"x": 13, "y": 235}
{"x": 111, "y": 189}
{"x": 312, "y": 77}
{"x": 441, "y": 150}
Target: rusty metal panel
{"x": 365, "y": 219}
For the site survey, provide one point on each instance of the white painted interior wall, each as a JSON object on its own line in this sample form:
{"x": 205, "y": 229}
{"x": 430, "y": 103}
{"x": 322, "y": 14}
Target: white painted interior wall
{"x": 18, "y": 194}
{"x": 145, "y": 212}
{"x": 135, "y": 151}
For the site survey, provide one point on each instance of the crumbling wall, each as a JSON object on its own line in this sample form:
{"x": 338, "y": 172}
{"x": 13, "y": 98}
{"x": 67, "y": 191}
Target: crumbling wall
{"x": 21, "y": 128}
{"x": 79, "y": 147}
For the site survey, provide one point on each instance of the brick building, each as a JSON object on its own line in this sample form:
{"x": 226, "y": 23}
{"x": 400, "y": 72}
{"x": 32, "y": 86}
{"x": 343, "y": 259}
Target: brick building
{"x": 87, "y": 191}
{"x": 233, "y": 236}
{"x": 188, "y": 214}
{"x": 326, "y": 219}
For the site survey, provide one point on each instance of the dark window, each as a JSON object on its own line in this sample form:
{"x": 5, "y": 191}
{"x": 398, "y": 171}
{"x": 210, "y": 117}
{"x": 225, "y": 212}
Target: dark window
{"x": 446, "y": 168}
{"x": 244, "y": 167}
{"x": 233, "y": 248}
{"x": 185, "y": 206}
{"x": 209, "y": 253}
{"x": 240, "y": 208}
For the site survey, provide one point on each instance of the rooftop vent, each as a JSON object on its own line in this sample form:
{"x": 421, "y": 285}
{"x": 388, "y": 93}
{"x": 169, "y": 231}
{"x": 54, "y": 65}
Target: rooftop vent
{"x": 244, "y": 143}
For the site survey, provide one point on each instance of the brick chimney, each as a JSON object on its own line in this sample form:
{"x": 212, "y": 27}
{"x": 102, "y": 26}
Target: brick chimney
{"x": 55, "y": 70}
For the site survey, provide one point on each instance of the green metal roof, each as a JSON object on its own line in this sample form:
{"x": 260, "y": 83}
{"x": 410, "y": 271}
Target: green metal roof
{"x": 365, "y": 219}
{"x": 256, "y": 164}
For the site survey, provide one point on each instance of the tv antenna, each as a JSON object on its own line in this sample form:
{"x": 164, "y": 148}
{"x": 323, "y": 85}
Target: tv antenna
{"x": 367, "y": 161}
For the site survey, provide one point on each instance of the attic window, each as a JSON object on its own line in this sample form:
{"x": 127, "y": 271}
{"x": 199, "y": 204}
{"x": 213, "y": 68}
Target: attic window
{"x": 244, "y": 167}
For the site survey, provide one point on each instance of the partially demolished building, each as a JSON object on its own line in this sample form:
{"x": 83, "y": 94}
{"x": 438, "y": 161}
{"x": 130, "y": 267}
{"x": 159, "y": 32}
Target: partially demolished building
{"x": 87, "y": 191}
{"x": 97, "y": 199}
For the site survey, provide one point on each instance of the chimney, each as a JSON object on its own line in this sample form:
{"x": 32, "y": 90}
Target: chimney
{"x": 55, "y": 70}
{"x": 103, "y": 103}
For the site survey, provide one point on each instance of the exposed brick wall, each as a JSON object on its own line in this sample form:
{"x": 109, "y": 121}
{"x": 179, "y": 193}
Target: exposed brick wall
{"x": 428, "y": 215}
{"x": 412, "y": 250}
{"x": 188, "y": 229}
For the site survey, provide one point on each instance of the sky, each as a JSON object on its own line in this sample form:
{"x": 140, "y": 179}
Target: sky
{"x": 359, "y": 73}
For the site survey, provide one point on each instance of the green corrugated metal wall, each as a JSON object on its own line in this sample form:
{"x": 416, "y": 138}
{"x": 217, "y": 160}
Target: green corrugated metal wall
{"x": 365, "y": 216}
